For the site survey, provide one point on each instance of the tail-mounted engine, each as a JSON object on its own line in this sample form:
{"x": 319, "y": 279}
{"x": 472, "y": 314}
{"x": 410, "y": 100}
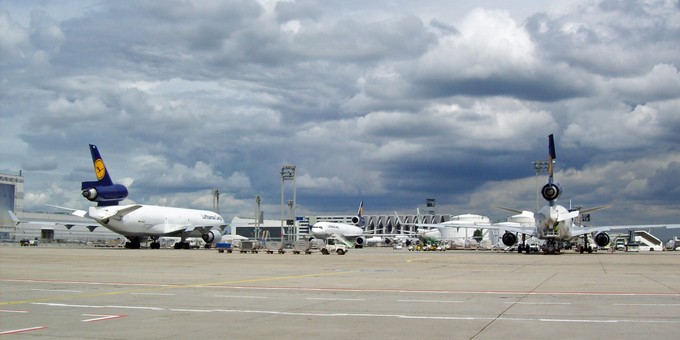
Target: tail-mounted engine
{"x": 212, "y": 236}
{"x": 509, "y": 239}
{"x": 104, "y": 194}
{"x": 358, "y": 221}
{"x": 551, "y": 191}
{"x": 602, "y": 239}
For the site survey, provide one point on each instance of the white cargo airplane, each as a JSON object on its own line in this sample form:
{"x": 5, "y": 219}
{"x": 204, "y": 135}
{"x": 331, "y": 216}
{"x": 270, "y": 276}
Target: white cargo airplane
{"x": 350, "y": 234}
{"x": 553, "y": 223}
{"x": 140, "y": 221}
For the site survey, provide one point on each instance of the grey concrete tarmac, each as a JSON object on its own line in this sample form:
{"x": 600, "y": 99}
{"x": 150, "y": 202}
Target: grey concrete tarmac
{"x": 88, "y": 293}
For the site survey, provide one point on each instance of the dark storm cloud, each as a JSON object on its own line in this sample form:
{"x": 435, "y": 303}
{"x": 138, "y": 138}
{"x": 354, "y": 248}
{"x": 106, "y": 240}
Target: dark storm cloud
{"x": 391, "y": 102}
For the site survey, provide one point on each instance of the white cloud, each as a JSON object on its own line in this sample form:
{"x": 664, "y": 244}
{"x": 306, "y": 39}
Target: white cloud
{"x": 392, "y": 101}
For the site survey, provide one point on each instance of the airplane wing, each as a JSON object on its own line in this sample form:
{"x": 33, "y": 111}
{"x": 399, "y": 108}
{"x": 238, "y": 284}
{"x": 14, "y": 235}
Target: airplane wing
{"x": 512, "y": 227}
{"x": 75, "y": 212}
{"x": 579, "y": 231}
{"x": 68, "y": 225}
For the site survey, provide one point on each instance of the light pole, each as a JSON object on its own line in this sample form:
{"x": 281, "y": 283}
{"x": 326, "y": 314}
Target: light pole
{"x": 287, "y": 174}
{"x": 540, "y": 167}
{"x": 216, "y": 200}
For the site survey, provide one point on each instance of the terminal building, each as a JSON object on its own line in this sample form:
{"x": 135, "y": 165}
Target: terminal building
{"x": 58, "y": 227}
{"x": 54, "y": 227}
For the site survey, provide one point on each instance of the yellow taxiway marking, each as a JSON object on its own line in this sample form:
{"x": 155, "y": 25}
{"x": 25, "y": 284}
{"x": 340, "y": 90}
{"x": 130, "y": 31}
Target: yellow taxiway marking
{"x": 263, "y": 279}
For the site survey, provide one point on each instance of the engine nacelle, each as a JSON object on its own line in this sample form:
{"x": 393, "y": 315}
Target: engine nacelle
{"x": 104, "y": 194}
{"x": 212, "y": 236}
{"x": 358, "y": 221}
{"x": 509, "y": 239}
{"x": 601, "y": 239}
{"x": 360, "y": 241}
{"x": 551, "y": 191}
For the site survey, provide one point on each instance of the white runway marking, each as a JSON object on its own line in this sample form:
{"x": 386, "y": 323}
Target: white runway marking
{"x": 432, "y": 301}
{"x": 101, "y": 317}
{"x": 538, "y": 303}
{"x": 96, "y": 306}
{"x": 12, "y": 311}
{"x": 377, "y": 315}
{"x": 649, "y": 304}
{"x": 58, "y": 290}
{"x": 15, "y": 331}
{"x": 240, "y": 296}
{"x": 335, "y": 299}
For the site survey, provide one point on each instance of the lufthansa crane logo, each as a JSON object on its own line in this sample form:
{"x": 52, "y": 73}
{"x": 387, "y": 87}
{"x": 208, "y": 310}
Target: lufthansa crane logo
{"x": 99, "y": 169}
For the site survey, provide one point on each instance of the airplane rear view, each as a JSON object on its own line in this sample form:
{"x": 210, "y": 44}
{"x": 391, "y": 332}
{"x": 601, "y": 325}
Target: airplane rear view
{"x": 554, "y": 223}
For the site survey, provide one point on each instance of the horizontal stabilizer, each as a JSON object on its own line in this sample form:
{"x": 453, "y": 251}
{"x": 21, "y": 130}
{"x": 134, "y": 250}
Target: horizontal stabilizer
{"x": 589, "y": 210}
{"x": 118, "y": 214}
{"x": 514, "y": 211}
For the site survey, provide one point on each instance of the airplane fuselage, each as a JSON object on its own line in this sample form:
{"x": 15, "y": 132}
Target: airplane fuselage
{"x": 323, "y": 230}
{"x": 151, "y": 220}
{"x": 554, "y": 222}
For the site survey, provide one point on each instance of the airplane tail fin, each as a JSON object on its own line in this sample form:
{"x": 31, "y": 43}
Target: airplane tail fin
{"x": 358, "y": 220}
{"x": 100, "y": 170}
{"x": 551, "y": 191}
{"x": 551, "y": 155}
{"x": 103, "y": 190}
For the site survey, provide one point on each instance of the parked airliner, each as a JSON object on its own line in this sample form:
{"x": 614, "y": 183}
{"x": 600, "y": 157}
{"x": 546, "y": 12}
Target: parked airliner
{"x": 553, "y": 223}
{"x": 350, "y": 234}
{"x": 141, "y": 221}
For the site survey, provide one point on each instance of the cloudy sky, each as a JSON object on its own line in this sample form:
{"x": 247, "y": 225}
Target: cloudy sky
{"x": 391, "y": 102}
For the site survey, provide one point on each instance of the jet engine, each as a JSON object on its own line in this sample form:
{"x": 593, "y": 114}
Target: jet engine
{"x": 551, "y": 191}
{"x": 212, "y": 236}
{"x": 601, "y": 239}
{"x": 105, "y": 193}
{"x": 509, "y": 239}
{"x": 358, "y": 221}
{"x": 360, "y": 241}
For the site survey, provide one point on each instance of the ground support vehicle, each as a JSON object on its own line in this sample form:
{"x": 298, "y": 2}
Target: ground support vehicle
{"x": 275, "y": 247}
{"x": 252, "y": 246}
{"x": 223, "y": 246}
{"x": 302, "y": 246}
{"x": 334, "y": 245}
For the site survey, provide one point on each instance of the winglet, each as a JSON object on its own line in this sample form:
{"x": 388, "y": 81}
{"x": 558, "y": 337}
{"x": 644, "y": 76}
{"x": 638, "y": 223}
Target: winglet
{"x": 14, "y": 217}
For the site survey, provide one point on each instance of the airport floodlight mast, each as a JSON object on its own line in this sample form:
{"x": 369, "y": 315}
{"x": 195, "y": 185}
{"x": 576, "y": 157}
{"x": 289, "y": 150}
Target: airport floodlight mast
{"x": 216, "y": 200}
{"x": 287, "y": 174}
{"x": 541, "y": 167}
{"x": 258, "y": 215}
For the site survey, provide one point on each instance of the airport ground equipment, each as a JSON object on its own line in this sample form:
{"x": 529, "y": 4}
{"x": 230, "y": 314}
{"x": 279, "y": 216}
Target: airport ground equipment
{"x": 252, "y": 246}
{"x": 302, "y": 246}
{"x": 275, "y": 246}
{"x": 333, "y": 245}
{"x": 223, "y": 246}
